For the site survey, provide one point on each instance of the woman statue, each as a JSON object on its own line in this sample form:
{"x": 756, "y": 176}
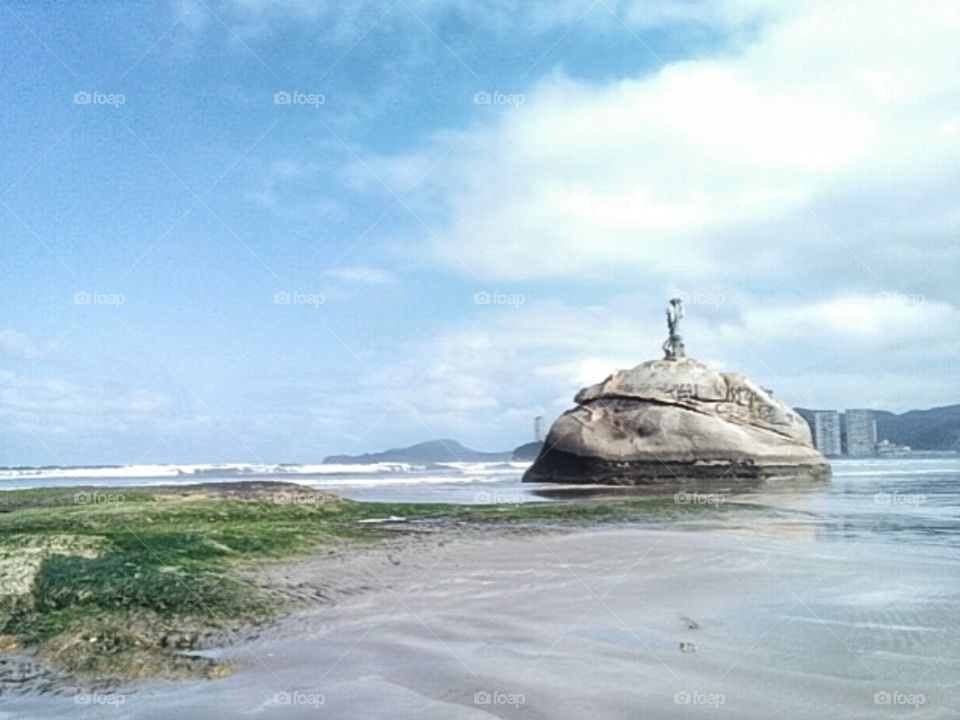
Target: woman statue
{"x": 673, "y": 346}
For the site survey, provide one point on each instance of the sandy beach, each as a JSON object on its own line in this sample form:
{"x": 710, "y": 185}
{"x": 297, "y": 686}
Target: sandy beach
{"x": 674, "y": 622}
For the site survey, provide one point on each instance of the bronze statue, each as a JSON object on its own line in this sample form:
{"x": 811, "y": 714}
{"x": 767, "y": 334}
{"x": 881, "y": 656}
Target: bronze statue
{"x": 673, "y": 345}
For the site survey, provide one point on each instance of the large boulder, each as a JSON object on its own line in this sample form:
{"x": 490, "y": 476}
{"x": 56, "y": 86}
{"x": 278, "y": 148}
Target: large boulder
{"x": 668, "y": 420}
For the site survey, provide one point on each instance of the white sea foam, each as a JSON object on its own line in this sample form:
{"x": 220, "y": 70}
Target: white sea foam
{"x": 201, "y": 470}
{"x": 327, "y": 476}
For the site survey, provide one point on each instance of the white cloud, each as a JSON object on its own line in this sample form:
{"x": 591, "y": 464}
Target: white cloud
{"x": 20, "y": 345}
{"x": 504, "y": 365}
{"x": 883, "y": 319}
{"x": 696, "y": 169}
{"x": 54, "y": 406}
{"x": 486, "y": 379}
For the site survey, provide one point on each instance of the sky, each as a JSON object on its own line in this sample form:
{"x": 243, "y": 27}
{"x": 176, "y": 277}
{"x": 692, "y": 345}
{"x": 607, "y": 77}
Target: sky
{"x": 272, "y": 230}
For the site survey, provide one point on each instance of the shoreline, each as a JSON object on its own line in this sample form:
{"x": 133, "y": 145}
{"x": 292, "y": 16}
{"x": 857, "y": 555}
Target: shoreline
{"x": 596, "y": 622}
{"x": 135, "y": 584}
{"x": 591, "y": 608}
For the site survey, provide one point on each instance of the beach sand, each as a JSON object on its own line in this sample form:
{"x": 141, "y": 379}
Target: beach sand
{"x": 715, "y": 621}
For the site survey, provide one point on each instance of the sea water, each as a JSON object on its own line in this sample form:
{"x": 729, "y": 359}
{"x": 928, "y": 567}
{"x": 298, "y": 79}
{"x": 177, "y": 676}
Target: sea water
{"x": 831, "y": 599}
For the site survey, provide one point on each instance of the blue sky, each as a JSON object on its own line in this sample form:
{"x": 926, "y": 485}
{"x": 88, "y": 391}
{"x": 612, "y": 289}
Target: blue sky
{"x": 466, "y": 212}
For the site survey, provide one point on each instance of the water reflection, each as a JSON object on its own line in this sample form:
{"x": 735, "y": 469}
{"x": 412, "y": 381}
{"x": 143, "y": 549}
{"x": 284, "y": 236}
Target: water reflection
{"x": 886, "y": 501}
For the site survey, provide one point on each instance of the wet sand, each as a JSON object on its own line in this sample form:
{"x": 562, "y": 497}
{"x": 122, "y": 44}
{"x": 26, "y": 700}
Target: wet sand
{"x": 714, "y": 621}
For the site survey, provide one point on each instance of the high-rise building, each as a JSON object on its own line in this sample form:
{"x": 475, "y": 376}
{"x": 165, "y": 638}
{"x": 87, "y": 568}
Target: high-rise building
{"x": 538, "y": 428}
{"x": 826, "y": 432}
{"x": 861, "y": 433}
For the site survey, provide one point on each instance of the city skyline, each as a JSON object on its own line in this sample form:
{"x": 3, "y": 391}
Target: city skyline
{"x": 854, "y": 433}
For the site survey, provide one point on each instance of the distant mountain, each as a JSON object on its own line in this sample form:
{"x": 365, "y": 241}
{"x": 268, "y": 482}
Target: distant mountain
{"x": 933, "y": 429}
{"x": 527, "y": 451}
{"x": 433, "y": 451}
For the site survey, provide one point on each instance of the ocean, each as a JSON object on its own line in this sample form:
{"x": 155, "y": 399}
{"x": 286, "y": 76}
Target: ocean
{"x": 918, "y": 488}
{"x": 834, "y": 599}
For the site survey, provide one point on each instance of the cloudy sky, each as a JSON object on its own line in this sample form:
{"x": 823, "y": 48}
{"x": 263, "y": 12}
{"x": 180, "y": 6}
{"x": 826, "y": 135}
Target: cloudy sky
{"x": 270, "y": 230}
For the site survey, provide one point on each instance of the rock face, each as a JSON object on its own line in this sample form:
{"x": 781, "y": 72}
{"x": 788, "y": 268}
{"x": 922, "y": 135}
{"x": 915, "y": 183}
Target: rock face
{"x": 669, "y": 420}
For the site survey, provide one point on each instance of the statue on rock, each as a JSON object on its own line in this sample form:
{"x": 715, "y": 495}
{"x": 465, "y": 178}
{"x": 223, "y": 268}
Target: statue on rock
{"x": 675, "y": 421}
{"x": 673, "y": 345}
